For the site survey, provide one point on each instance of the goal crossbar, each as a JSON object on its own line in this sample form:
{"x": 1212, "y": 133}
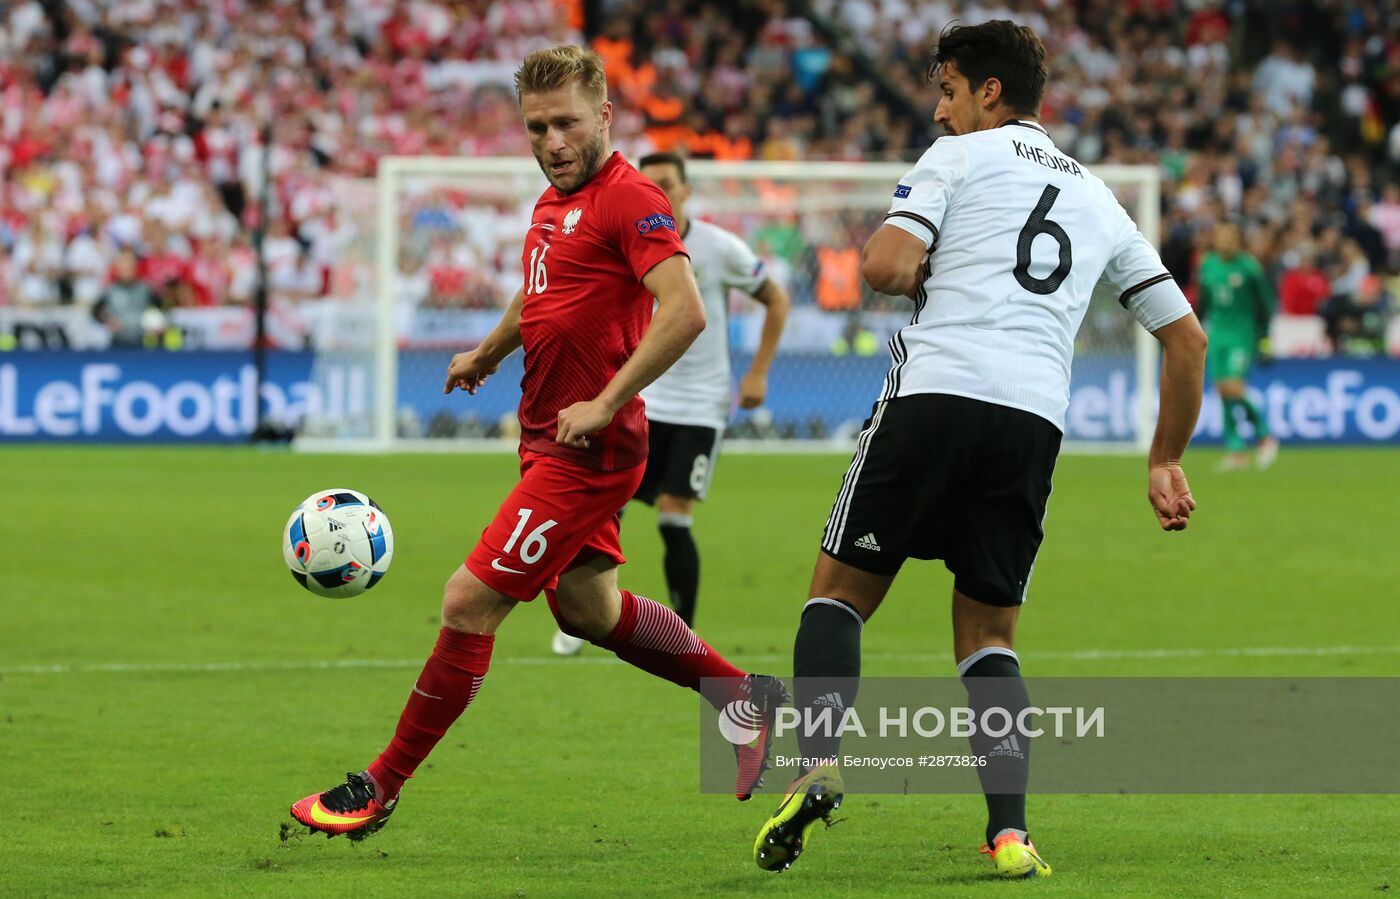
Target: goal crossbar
{"x": 394, "y": 171}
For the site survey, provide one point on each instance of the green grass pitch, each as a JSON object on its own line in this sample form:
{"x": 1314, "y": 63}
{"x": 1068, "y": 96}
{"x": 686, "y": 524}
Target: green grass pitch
{"x": 132, "y": 772}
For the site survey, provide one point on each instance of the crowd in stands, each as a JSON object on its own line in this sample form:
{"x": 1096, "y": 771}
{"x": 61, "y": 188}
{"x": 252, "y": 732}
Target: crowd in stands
{"x": 143, "y": 126}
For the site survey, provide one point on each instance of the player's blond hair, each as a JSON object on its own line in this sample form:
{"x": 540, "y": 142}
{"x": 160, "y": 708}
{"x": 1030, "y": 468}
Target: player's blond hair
{"x": 549, "y": 70}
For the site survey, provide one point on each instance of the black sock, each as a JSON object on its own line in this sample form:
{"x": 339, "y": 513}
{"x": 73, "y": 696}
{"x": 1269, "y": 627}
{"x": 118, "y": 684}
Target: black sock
{"x": 826, "y": 671}
{"x": 993, "y": 680}
{"x": 682, "y": 564}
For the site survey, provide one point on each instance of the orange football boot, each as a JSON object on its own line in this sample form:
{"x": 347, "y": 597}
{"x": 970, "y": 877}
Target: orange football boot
{"x": 349, "y": 809}
{"x": 756, "y": 711}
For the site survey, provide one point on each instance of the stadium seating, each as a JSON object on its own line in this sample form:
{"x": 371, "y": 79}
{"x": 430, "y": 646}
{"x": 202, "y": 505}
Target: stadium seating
{"x": 139, "y": 124}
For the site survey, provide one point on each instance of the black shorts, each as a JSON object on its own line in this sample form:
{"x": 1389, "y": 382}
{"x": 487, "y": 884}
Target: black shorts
{"x": 680, "y": 460}
{"x": 945, "y": 477}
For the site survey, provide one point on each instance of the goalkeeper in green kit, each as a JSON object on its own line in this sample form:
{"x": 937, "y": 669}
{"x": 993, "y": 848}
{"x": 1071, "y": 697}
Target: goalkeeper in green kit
{"x": 1236, "y": 303}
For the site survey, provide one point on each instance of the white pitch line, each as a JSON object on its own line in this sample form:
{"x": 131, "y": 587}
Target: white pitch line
{"x": 1083, "y": 655}
{"x": 1096, "y": 654}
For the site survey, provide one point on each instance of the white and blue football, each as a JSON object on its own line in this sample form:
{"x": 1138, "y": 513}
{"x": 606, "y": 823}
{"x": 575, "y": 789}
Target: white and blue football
{"x": 338, "y": 543}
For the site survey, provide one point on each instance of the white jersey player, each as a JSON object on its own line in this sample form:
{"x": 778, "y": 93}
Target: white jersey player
{"x": 1014, "y": 268}
{"x": 1000, "y": 239}
{"x": 687, "y": 407}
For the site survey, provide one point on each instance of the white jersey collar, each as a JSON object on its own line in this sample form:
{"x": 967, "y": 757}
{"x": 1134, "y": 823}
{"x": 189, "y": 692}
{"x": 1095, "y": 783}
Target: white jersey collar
{"x": 1024, "y": 124}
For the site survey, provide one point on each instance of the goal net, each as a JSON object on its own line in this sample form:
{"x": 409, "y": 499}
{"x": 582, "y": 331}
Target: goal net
{"x": 443, "y": 259}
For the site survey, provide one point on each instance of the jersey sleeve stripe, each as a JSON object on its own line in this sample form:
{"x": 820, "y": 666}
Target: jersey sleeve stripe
{"x": 915, "y": 217}
{"x": 1141, "y": 286}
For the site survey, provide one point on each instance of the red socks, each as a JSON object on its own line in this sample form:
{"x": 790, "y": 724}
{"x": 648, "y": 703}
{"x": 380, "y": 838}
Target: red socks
{"x": 448, "y": 684}
{"x": 656, "y": 640}
{"x": 648, "y": 635}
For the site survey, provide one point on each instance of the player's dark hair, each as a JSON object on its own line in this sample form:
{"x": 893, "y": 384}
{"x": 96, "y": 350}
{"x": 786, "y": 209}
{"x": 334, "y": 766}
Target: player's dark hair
{"x": 1010, "y": 53}
{"x": 674, "y": 159}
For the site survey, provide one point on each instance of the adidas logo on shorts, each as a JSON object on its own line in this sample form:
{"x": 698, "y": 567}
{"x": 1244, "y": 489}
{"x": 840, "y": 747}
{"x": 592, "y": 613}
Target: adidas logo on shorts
{"x": 868, "y": 542}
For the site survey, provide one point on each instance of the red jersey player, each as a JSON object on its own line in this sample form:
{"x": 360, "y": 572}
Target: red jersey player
{"x": 601, "y": 244}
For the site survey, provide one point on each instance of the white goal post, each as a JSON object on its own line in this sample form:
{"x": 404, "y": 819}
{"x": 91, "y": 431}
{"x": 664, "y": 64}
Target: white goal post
{"x": 472, "y": 197}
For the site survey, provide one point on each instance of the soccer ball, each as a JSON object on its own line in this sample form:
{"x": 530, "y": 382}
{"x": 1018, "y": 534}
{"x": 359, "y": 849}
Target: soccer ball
{"x": 338, "y": 543}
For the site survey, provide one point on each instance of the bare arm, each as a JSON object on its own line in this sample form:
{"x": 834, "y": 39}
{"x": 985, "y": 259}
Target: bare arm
{"x": 893, "y": 261}
{"x": 754, "y": 387}
{"x": 679, "y": 319}
{"x": 470, "y": 370}
{"x": 1183, "y": 378}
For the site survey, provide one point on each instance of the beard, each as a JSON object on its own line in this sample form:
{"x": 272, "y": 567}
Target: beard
{"x": 586, "y": 165}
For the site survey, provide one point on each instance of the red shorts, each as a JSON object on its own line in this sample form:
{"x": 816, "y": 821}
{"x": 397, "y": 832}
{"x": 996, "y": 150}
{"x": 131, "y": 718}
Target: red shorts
{"x": 559, "y": 516}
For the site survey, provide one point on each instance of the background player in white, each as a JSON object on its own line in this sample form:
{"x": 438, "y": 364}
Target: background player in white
{"x": 687, "y": 408}
{"x": 1000, "y": 239}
